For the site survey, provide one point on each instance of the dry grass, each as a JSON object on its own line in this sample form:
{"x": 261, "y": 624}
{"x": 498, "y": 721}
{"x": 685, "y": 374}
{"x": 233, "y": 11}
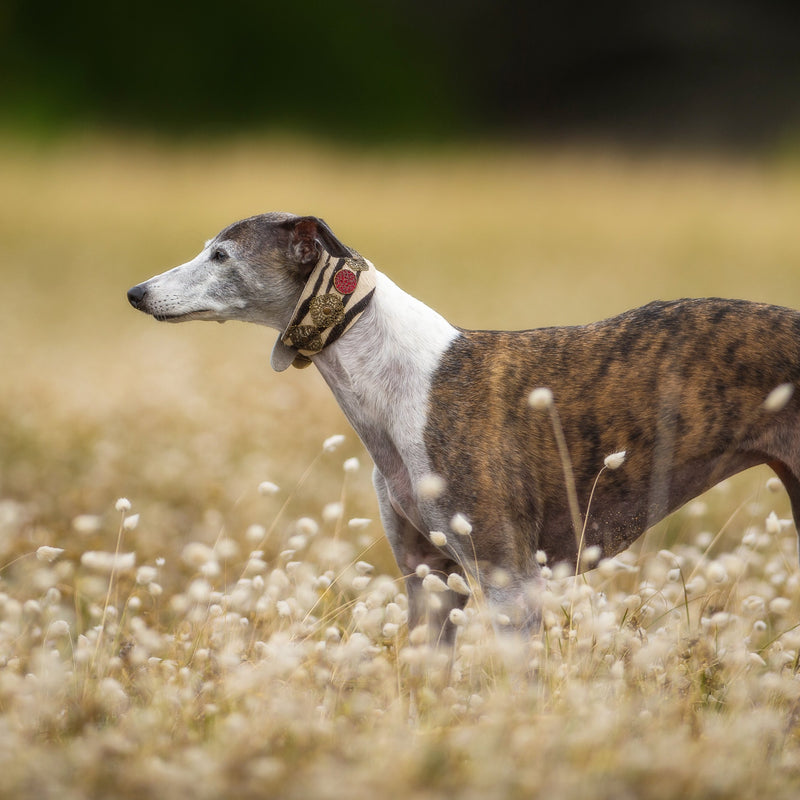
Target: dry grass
{"x": 250, "y": 643}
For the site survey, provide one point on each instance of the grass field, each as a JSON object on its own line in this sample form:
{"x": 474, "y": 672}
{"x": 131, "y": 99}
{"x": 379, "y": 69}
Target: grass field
{"x": 234, "y": 627}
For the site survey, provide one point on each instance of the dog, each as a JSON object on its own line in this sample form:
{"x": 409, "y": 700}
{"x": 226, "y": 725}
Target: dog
{"x": 491, "y": 447}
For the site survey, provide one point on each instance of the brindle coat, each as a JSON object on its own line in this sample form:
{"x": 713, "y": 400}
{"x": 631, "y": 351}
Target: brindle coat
{"x": 678, "y": 385}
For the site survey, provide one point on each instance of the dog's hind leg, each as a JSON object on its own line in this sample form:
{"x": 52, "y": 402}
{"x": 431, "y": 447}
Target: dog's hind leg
{"x": 791, "y": 483}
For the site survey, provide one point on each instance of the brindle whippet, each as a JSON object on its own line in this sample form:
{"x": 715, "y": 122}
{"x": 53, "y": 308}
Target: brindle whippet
{"x": 687, "y": 388}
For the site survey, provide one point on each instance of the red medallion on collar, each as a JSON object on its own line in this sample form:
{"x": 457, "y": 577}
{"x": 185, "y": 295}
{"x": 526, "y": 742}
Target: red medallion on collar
{"x": 345, "y": 281}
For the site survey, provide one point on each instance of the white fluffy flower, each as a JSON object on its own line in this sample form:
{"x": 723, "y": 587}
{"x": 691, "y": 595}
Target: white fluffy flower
{"x": 131, "y": 522}
{"x": 333, "y": 442}
{"x": 615, "y": 460}
{"x": 49, "y": 554}
{"x": 540, "y": 398}
{"x": 433, "y": 583}
{"x": 457, "y": 583}
{"x": 431, "y": 486}
{"x": 332, "y": 512}
{"x": 59, "y": 627}
{"x": 351, "y": 465}
{"x": 87, "y": 523}
{"x": 778, "y": 397}
{"x": 458, "y": 617}
{"x": 146, "y": 574}
{"x": 591, "y": 555}
{"x": 460, "y": 525}
{"x": 108, "y": 562}
{"x": 196, "y": 554}
{"x": 438, "y": 538}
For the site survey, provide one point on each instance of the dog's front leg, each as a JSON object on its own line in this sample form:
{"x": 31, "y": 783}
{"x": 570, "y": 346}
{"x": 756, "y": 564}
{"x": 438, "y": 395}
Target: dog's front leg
{"x": 515, "y": 602}
{"x": 417, "y": 557}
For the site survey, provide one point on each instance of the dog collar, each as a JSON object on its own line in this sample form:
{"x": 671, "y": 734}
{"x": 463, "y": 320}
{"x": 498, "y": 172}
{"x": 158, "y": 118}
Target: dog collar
{"x": 335, "y": 295}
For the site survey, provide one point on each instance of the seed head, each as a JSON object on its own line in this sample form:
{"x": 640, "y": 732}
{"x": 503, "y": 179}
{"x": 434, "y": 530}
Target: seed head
{"x": 591, "y": 555}
{"x": 268, "y": 488}
{"x": 283, "y": 608}
{"x": 778, "y": 398}
{"x": 131, "y": 522}
{"x": 87, "y": 523}
{"x": 307, "y": 526}
{"x": 196, "y": 554}
{"x": 457, "y": 583}
{"x": 146, "y": 574}
{"x": 123, "y": 505}
{"x": 255, "y": 533}
{"x": 458, "y": 617}
{"x": 717, "y": 572}
{"x": 332, "y": 512}
{"x": 49, "y": 554}
{"x": 433, "y": 583}
{"x": 615, "y": 460}
{"x": 780, "y": 605}
{"x": 774, "y": 484}
{"x": 332, "y": 443}
{"x": 438, "y": 538}
{"x": 756, "y": 660}
{"x": 499, "y": 578}
{"x": 351, "y": 465}
{"x": 108, "y": 562}
{"x": 431, "y": 487}
{"x": 540, "y": 398}
{"x": 460, "y": 524}
{"x": 59, "y": 627}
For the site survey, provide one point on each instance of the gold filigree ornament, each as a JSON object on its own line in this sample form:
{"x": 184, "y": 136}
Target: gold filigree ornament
{"x": 305, "y": 337}
{"x": 357, "y": 263}
{"x": 326, "y": 310}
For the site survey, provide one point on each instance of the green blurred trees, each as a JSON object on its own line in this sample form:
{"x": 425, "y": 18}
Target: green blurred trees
{"x": 727, "y": 69}
{"x": 354, "y": 66}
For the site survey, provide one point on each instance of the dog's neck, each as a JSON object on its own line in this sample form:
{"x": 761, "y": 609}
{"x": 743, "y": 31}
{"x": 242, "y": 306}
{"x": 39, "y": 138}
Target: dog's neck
{"x": 381, "y": 371}
{"x": 336, "y": 294}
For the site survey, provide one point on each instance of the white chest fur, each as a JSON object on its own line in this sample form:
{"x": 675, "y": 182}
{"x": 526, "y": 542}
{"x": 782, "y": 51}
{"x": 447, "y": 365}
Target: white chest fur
{"x": 380, "y": 373}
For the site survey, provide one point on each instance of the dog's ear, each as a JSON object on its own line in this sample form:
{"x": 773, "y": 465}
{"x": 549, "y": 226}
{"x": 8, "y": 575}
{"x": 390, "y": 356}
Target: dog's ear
{"x": 309, "y": 235}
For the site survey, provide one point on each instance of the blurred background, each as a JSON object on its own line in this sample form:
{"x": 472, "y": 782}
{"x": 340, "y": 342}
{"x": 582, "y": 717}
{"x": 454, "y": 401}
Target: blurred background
{"x": 714, "y": 72}
{"x": 512, "y": 164}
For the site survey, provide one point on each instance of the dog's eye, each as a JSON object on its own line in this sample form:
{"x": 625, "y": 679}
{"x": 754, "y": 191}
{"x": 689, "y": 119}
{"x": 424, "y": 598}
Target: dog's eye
{"x": 219, "y": 255}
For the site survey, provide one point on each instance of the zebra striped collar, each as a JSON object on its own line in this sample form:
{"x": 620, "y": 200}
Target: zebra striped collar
{"x": 335, "y": 295}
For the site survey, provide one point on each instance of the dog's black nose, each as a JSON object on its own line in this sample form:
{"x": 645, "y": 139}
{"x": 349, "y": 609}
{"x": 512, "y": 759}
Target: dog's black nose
{"x": 136, "y": 295}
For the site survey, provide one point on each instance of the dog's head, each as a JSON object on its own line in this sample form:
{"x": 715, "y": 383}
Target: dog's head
{"x": 253, "y": 271}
